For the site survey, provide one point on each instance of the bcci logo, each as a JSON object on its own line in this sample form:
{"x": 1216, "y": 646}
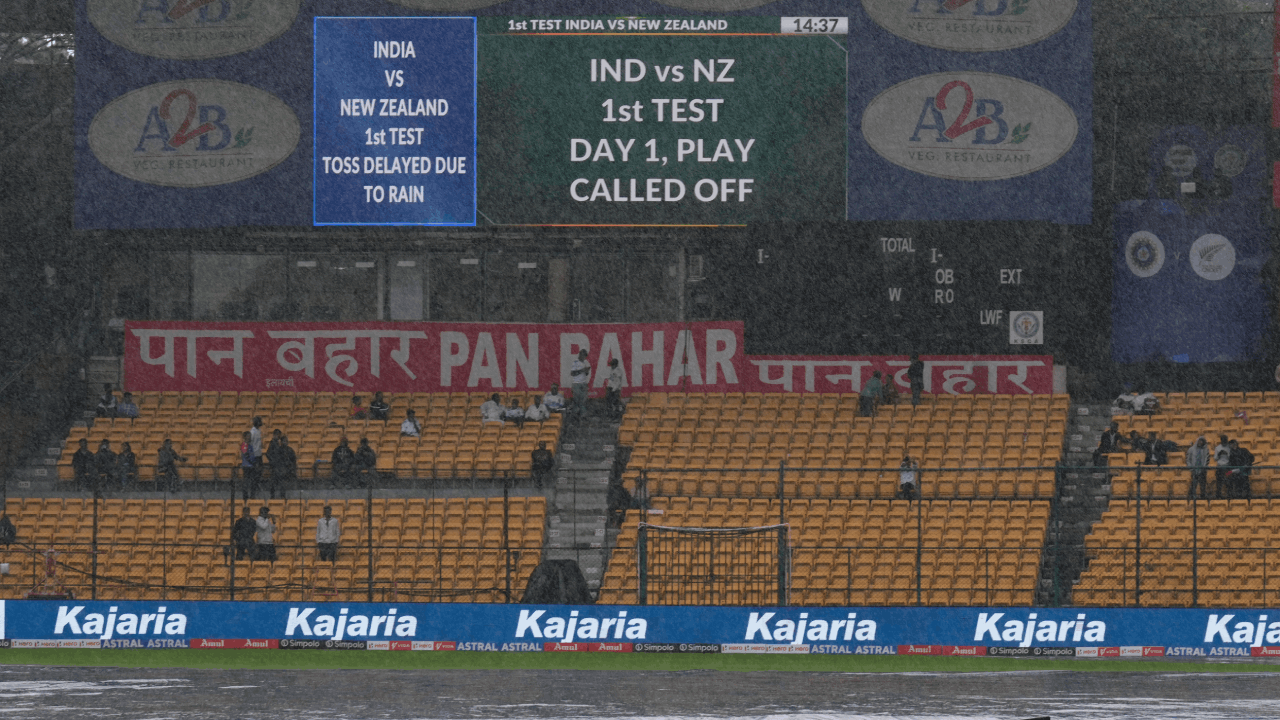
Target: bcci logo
{"x": 1144, "y": 254}
{"x": 1026, "y": 327}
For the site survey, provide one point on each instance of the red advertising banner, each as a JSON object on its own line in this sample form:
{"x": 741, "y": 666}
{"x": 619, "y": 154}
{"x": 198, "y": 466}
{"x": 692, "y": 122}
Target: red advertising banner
{"x": 426, "y": 357}
{"x": 943, "y": 374}
{"x": 500, "y": 357}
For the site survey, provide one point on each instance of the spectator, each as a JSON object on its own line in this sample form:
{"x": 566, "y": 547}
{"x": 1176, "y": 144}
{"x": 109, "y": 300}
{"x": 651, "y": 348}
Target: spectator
{"x": 580, "y": 374}
{"x": 128, "y": 463}
{"x": 543, "y": 462}
{"x": 889, "y": 395}
{"x": 242, "y": 535}
{"x": 272, "y": 444}
{"x": 107, "y": 465}
{"x": 491, "y": 409}
{"x": 553, "y": 399}
{"x": 366, "y": 458}
{"x": 1137, "y": 444}
{"x": 328, "y": 532}
{"x": 908, "y": 473}
{"x": 410, "y": 426}
{"x": 250, "y": 488}
{"x": 1222, "y": 459}
{"x": 1108, "y": 443}
{"x": 867, "y": 398}
{"x": 915, "y": 377}
{"x": 1240, "y": 461}
{"x": 265, "y": 539}
{"x": 8, "y": 533}
{"x": 1123, "y": 403}
{"x": 1146, "y": 403}
{"x": 106, "y": 403}
{"x": 357, "y": 410}
{"x": 1198, "y": 464}
{"x": 127, "y": 408}
{"x": 617, "y": 501}
{"x": 284, "y": 465}
{"x": 255, "y": 441}
{"x": 167, "y": 460}
{"x": 538, "y": 411}
{"x": 514, "y": 413}
{"x": 343, "y": 462}
{"x": 1157, "y": 450}
{"x": 379, "y": 409}
{"x": 613, "y": 389}
{"x": 82, "y": 465}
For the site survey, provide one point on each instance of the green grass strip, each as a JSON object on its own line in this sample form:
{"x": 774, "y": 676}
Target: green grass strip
{"x": 379, "y": 660}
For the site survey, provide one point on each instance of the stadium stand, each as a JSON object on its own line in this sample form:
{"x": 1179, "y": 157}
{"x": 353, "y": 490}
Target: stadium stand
{"x": 1237, "y": 562}
{"x": 864, "y": 552}
{"x": 423, "y": 549}
{"x": 206, "y": 426}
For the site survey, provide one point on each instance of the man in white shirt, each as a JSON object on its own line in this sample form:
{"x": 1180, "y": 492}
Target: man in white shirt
{"x": 328, "y": 532}
{"x": 491, "y": 410}
{"x": 553, "y": 399}
{"x": 1222, "y": 459}
{"x": 266, "y": 547}
{"x": 410, "y": 426}
{"x": 580, "y": 373}
{"x": 514, "y": 413}
{"x": 613, "y": 388}
{"x": 537, "y": 412}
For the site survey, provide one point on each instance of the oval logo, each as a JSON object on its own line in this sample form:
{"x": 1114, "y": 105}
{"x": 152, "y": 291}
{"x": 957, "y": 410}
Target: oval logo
{"x": 194, "y": 133}
{"x": 192, "y": 29}
{"x": 1144, "y": 254}
{"x": 969, "y": 126}
{"x": 971, "y": 25}
{"x": 1213, "y": 257}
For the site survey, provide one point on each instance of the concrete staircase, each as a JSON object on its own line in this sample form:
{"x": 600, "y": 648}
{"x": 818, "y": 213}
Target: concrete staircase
{"x": 39, "y": 474}
{"x": 577, "y": 516}
{"x": 1083, "y": 495}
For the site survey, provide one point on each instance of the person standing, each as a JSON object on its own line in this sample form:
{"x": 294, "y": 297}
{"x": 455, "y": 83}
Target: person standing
{"x": 1240, "y": 461}
{"x": 915, "y": 377}
{"x": 328, "y": 532}
{"x": 869, "y": 395}
{"x": 242, "y": 533}
{"x": 543, "y": 462}
{"x": 255, "y": 441}
{"x": 266, "y": 536}
{"x": 613, "y": 388}
{"x": 1198, "y": 464}
{"x": 580, "y": 374}
{"x": 250, "y": 488}
{"x": 284, "y": 465}
{"x": 1222, "y": 459}
{"x": 167, "y": 460}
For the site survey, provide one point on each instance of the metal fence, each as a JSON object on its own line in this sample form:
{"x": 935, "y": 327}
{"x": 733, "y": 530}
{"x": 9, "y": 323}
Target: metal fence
{"x": 720, "y": 566}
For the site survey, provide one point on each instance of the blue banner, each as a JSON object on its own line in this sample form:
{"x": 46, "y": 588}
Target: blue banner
{"x": 855, "y": 630}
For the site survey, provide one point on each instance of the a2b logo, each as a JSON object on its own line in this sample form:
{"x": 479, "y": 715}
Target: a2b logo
{"x": 986, "y": 112}
{"x": 210, "y": 118}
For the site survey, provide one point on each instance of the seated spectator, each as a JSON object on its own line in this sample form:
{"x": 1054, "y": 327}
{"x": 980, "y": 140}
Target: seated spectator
{"x": 1124, "y": 403}
{"x": 538, "y": 411}
{"x": 410, "y": 426}
{"x": 1240, "y": 462}
{"x": 82, "y": 465}
{"x": 127, "y": 408}
{"x": 889, "y": 395}
{"x": 128, "y": 463}
{"x": 167, "y": 460}
{"x": 107, "y": 465}
{"x": 491, "y": 410}
{"x": 1145, "y": 403}
{"x": 1157, "y": 450}
{"x": 343, "y": 462}
{"x": 106, "y": 403}
{"x": 366, "y": 458}
{"x": 514, "y": 413}
{"x": 357, "y": 410}
{"x": 553, "y": 399}
{"x": 379, "y": 409}
{"x": 908, "y": 474}
{"x": 8, "y": 533}
{"x": 1109, "y": 442}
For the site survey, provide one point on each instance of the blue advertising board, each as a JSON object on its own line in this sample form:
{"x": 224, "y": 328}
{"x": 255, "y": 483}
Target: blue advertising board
{"x": 395, "y": 98}
{"x": 853, "y": 630}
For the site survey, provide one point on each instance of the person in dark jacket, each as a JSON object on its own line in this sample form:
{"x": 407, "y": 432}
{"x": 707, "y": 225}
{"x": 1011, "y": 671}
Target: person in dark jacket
{"x": 128, "y": 465}
{"x": 543, "y": 462}
{"x": 366, "y": 462}
{"x": 1240, "y": 463}
{"x": 1109, "y": 442}
{"x": 167, "y": 460}
{"x": 107, "y": 464}
{"x": 8, "y": 533}
{"x": 242, "y": 535}
{"x": 82, "y": 465}
{"x": 343, "y": 462}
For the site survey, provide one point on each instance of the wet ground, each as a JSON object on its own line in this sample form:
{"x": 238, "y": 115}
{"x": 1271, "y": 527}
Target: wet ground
{"x": 37, "y": 692}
